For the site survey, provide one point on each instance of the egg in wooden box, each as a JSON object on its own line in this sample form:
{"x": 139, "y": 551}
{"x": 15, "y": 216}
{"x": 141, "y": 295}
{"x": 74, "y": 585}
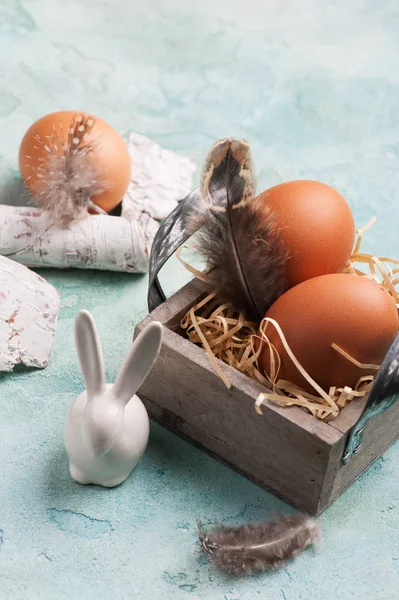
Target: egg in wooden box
{"x": 315, "y": 225}
{"x": 354, "y": 313}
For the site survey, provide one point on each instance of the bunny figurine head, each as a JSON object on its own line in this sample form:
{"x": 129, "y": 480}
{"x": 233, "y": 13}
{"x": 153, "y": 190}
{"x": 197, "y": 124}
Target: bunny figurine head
{"x": 107, "y": 426}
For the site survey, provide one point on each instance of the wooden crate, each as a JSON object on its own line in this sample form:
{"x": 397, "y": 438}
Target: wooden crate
{"x": 286, "y": 450}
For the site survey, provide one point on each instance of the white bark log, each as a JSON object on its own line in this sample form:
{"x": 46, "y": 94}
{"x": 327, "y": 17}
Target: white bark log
{"x": 160, "y": 178}
{"x": 97, "y": 242}
{"x": 28, "y": 315}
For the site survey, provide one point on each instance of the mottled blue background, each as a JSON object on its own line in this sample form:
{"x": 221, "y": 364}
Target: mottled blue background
{"x": 315, "y": 87}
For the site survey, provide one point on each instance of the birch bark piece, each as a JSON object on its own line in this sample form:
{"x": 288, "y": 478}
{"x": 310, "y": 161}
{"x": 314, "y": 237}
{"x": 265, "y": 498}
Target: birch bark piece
{"x": 97, "y": 242}
{"x": 29, "y": 308}
{"x": 160, "y": 178}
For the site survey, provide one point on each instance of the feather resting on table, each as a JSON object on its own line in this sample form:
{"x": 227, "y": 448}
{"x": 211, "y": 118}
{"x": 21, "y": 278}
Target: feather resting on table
{"x": 258, "y": 547}
{"x": 238, "y": 239}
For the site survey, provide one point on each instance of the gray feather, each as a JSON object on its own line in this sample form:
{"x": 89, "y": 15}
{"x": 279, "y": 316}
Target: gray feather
{"x": 238, "y": 238}
{"x": 258, "y": 547}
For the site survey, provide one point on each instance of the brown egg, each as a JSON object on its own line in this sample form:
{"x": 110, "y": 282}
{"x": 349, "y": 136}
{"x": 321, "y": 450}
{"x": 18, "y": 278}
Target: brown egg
{"x": 110, "y": 155}
{"x": 316, "y": 226}
{"x": 353, "y": 312}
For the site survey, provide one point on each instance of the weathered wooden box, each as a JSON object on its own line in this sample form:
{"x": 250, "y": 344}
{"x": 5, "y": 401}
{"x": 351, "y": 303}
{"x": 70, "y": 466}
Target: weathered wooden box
{"x": 285, "y": 450}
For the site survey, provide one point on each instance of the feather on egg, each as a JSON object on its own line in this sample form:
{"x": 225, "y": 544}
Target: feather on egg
{"x": 72, "y": 162}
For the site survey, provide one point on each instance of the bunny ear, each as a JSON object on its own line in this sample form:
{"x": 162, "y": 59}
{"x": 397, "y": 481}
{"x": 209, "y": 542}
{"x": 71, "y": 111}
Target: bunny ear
{"x": 139, "y": 362}
{"x": 90, "y": 353}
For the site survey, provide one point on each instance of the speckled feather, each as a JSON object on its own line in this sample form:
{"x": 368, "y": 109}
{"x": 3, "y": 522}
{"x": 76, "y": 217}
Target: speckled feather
{"x": 238, "y": 238}
{"x": 68, "y": 177}
{"x": 258, "y": 547}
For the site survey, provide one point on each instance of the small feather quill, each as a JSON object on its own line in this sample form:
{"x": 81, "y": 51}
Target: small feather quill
{"x": 258, "y": 547}
{"x": 238, "y": 238}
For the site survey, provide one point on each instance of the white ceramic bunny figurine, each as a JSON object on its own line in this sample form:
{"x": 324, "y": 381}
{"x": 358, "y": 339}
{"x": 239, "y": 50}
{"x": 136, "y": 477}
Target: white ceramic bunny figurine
{"x": 107, "y": 427}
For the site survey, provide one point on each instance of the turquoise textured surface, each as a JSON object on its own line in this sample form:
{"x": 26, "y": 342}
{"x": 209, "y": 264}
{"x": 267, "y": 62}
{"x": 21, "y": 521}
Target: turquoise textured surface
{"x": 315, "y": 87}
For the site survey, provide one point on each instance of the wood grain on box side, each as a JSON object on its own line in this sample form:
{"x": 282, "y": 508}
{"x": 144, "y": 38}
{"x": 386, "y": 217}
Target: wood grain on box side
{"x": 343, "y": 423}
{"x": 274, "y": 449}
{"x": 380, "y": 433}
{"x": 173, "y": 423}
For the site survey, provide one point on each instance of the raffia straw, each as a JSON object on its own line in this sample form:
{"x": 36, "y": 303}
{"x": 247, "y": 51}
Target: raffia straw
{"x": 198, "y": 274}
{"x": 379, "y": 268}
{"x": 287, "y": 394}
{"x": 353, "y": 360}
{"x": 226, "y": 336}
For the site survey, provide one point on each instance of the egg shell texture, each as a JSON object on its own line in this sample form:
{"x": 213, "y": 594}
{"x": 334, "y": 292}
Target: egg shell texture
{"x": 110, "y": 154}
{"x": 316, "y": 226}
{"x": 353, "y": 312}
